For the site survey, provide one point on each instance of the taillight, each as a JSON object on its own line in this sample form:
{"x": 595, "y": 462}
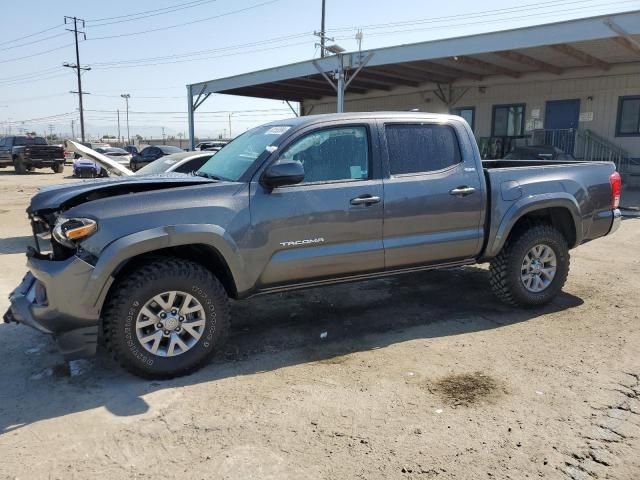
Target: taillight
{"x": 616, "y": 189}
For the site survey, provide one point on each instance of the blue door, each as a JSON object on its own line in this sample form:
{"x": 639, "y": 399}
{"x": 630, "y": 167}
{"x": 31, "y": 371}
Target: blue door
{"x": 561, "y": 122}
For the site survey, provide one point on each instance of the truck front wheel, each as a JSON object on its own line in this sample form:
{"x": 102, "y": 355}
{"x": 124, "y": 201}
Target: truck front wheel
{"x": 166, "y": 318}
{"x": 58, "y": 167}
{"x": 532, "y": 267}
{"x": 19, "y": 166}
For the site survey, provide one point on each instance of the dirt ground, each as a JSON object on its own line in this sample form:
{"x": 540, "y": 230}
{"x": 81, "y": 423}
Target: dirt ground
{"x": 423, "y": 376}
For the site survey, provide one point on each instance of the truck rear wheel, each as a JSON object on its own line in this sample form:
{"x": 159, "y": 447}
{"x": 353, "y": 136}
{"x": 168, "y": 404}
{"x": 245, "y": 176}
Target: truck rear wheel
{"x": 532, "y": 267}
{"x": 58, "y": 167}
{"x": 166, "y": 318}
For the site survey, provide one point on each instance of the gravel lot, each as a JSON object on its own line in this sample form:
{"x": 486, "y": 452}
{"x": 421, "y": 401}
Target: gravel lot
{"x": 421, "y": 376}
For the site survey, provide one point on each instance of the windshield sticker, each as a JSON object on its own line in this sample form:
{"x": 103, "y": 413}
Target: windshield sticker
{"x": 271, "y": 148}
{"x": 277, "y": 130}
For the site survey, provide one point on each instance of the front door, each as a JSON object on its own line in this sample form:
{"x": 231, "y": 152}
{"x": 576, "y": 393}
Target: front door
{"x": 434, "y": 200}
{"x": 330, "y": 224}
{"x": 561, "y": 122}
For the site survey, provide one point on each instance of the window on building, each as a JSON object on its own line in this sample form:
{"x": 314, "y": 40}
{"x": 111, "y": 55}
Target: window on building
{"x": 508, "y": 120}
{"x": 468, "y": 113}
{"x": 628, "y": 123}
{"x": 421, "y": 148}
{"x": 332, "y": 154}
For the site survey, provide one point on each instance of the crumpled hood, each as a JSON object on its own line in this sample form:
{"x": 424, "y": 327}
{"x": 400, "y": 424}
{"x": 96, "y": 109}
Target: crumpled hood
{"x": 68, "y": 195}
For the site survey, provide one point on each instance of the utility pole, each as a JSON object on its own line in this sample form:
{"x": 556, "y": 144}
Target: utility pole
{"x": 50, "y": 132}
{"x": 77, "y": 66}
{"x": 119, "y": 139}
{"x": 230, "y": 136}
{"x": 322, "y": 31}
{"x": 126, "y": 97}
{"x": 73, "y": 131}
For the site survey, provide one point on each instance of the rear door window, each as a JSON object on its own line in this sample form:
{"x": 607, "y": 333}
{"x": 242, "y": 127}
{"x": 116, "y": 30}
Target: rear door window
{"x": 421, "y": 148}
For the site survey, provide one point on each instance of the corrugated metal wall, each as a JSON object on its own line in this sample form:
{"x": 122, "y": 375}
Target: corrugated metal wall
{"x": 598, "y": 94}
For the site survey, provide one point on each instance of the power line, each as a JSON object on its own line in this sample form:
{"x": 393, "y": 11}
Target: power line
{"x": 33, "y": 80}
{"x": 204, "y": 58}
{"x": 30, "y": 35}
{"x": 24, "y": 57}
{"x": 233, "y": 12}
{"x": 31, "y": 42}
{"x": 204, "y": 52}
{"x": 143, "y": 13}
{"x": 475, "y": 22}
{"x": 141, "y": 17}
{"x": 30, "y": 74}
{"x": 459, "y": 16}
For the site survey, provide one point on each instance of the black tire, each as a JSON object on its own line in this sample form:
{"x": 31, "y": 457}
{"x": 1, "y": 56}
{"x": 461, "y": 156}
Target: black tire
{"x": 138, "y": 287}
{"x": 505, "y": 269}
{"x": 19, "y": 166}
{"x": 58, "y": 167}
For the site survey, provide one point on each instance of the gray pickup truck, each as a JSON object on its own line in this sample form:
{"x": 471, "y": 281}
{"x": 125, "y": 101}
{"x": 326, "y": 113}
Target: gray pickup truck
{"x": 146, "y": 264}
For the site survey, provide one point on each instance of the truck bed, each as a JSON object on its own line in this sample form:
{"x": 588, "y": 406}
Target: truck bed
{"x": 583, "y": 189}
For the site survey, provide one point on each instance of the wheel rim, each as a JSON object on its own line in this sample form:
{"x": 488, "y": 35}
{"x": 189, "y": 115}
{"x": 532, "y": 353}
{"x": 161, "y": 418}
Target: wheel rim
{"x": 538, "y": 268}
{"x": 170, "y": 323}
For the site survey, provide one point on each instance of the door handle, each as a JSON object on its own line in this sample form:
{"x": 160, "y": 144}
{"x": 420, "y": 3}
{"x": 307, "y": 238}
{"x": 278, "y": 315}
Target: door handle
{"x": 365, "y": 200}
{"x": 462, "y": 191}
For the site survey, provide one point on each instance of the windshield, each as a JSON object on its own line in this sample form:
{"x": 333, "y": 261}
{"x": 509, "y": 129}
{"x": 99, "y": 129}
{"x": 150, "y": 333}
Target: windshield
{"x": 170, "y": 149}
{"x": 231, "y": 162}
{"x": 112, "y": 150}
{"x": 21, "y": 141}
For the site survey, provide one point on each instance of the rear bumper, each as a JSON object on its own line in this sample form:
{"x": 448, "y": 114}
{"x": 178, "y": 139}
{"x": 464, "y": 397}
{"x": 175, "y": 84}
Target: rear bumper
{"x": 49, "y": 299}
{"x": 42, "y": 163}
{"x": 617, "y": 220}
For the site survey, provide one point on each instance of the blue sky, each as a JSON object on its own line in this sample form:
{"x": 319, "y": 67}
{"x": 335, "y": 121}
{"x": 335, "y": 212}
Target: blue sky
{"x": 223, "y": 37}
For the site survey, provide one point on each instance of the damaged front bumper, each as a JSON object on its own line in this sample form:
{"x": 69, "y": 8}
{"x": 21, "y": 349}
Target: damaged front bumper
{"x": 54, "y": 297}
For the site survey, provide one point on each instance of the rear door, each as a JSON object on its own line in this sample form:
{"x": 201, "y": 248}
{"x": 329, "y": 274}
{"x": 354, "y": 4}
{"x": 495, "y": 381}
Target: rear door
{"x": 329, "y": 225}
{"x": 433, "y": 195}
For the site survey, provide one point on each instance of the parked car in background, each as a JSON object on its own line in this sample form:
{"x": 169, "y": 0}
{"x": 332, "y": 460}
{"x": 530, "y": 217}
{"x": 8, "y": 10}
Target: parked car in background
{"x": 132, "y": 149}
{"x": 183, "y": 162}
{"x": 150, "y": 154}
{"x": 26, "y": 153}
{"x": 118, "y": 154}
{"x": 538, "y": 152}
{"x": 87, "y": 168}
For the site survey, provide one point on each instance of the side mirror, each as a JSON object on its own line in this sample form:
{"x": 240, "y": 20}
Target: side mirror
{"x": 281, "y": 174}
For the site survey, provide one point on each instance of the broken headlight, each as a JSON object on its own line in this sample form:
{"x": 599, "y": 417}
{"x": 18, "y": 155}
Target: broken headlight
{"x": 67, "y": 231}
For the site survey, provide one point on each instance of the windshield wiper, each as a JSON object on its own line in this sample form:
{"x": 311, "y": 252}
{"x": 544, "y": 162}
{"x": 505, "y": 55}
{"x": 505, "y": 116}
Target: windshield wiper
{"x": 207, "y": 175}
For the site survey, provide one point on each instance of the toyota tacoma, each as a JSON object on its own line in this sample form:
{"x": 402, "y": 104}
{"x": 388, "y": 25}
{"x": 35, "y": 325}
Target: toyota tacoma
{"x": 146, "y": 265}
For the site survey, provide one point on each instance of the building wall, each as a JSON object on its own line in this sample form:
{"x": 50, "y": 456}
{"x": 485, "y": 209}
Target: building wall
{"x": 598, "y": 92}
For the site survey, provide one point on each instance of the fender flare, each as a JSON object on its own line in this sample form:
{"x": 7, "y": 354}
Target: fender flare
{"x": 125, "y": 248}
{"x": 530, "y": 204}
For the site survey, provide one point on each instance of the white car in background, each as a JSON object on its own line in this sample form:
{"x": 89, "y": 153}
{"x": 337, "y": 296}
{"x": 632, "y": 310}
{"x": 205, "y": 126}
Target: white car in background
{"x": 182, "y": 162}
{"x": 117, "y": 154}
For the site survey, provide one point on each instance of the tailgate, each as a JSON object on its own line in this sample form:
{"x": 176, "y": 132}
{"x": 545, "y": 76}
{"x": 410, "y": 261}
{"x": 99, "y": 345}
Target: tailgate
{"x": 44, "y": 152}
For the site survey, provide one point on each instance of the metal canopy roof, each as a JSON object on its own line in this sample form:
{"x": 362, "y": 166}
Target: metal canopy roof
{"x": 598, "y": 42}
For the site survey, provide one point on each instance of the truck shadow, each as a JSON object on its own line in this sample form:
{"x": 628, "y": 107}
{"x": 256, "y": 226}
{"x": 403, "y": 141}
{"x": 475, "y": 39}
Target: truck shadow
{"x": 15, "y": 244}
{"x": 271, "y": 332}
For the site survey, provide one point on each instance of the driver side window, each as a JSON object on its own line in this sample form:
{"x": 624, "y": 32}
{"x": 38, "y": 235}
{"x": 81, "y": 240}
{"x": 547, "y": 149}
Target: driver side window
{"x": 331, "y": 155}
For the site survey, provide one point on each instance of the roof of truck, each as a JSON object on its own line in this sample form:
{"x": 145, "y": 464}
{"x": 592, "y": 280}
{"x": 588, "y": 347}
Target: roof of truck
{"x": 328, "y": 117}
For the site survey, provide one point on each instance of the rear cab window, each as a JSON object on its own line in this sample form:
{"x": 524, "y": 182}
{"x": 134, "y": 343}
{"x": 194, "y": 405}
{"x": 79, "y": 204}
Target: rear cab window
{"x": 418, "y": 148}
